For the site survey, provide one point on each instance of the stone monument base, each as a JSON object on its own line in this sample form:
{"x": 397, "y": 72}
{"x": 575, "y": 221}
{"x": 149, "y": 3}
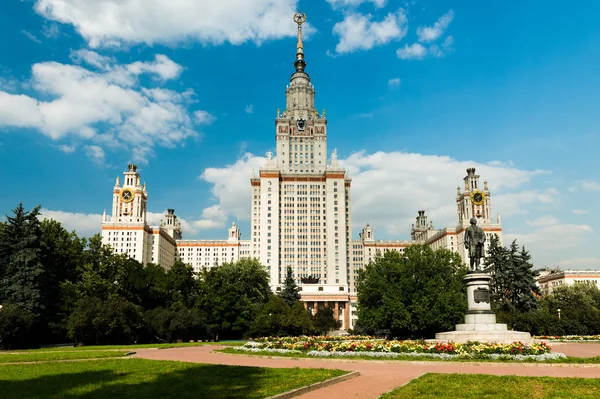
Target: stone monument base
{"x": 480, "y": 322}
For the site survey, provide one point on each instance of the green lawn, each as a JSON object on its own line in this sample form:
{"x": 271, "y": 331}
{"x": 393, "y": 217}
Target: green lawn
{"x": 140, "y": 346}
{"x": 150, "y": 379}
{"x": 37, "y": 356}
{"x": 465, "y": 386}
{"x": 573, "y": 360}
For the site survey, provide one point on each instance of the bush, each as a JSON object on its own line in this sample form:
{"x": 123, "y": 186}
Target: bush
{"x": 172, "y": 325}
{"x": 16, "y": 324}
{"x": 97, "y": 322}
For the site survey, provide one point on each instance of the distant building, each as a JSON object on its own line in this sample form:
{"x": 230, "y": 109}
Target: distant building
{"x": 549, "y": 279}
{"x": 300, "y": 206}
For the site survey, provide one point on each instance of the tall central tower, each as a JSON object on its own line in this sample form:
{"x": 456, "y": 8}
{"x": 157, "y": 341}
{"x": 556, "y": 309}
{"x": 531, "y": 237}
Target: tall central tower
{"x": 301, "y": 132}
{"x": 300, "y": 204}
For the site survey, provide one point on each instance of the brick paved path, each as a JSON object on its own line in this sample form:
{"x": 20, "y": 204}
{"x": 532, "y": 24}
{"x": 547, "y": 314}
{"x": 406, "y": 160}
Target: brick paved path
{"x": 377, "y": 377}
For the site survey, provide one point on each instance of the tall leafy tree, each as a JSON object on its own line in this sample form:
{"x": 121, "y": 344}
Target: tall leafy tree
{"x": 23, "y": 277}
{"x": 412, "y": 295}
{"x": 230, "y": 296}
{"x": 513, "y": 278}
{"x": 290, "y": 292}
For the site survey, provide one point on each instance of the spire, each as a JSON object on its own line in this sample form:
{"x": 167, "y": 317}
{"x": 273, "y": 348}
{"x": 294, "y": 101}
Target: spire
{"x": 300, "y": 18}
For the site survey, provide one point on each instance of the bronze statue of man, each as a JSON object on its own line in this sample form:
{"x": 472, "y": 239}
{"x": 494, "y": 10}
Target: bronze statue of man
{"x": 474, "y": 240}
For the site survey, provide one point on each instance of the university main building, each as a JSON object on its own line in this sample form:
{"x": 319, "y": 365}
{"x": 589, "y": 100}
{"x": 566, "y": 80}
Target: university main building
{"x": 300, "y": 214}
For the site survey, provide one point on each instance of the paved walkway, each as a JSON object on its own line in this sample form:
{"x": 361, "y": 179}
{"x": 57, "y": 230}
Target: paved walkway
{"x": 377, "y": 377}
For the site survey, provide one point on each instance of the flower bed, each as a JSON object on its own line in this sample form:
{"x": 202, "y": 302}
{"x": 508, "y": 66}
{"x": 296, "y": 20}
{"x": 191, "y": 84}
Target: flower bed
{"x": 569, "y": 337}
{"x": 312, "y": 344}
{"x": 327, "y": 338}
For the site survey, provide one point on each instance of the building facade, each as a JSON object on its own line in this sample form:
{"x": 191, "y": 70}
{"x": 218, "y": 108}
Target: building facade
{"x": 300, "y": 214}
{"x": 548, "y": 280}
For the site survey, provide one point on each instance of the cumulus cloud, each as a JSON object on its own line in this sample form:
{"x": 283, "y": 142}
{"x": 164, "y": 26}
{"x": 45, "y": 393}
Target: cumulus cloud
{"x": 547, "y": 220}
{"x": 95, "y": 153}
{"x": 85, "y": 224}
{"x": 580, "y": 263}
{"x": 415, "y": 51}
{"x": 585, "y": 185}
{"x": 231, "y": 187}
{"x": 580, "y": 212}
{"x": 249, "y": 109}
{"x": 432, "y": 33}
{"x": 79, "y": 101}
{"x": 204, "y": 117}
{"x": 394, "y": 82}
{"x": 360, "y": 32}
{"x": 552, "y": 238}
{"x": 388, "y": 188}
{"x": 337, "y": 4}
{"x": 118, "y": 22}
{"x": 67, "y": 149}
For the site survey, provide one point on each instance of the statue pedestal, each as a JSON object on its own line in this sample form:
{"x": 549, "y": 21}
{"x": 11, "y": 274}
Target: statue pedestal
{"x": 480, "y": 321}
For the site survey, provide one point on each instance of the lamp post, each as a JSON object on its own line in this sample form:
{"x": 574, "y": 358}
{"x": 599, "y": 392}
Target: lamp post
{"x": 558, "y": 313}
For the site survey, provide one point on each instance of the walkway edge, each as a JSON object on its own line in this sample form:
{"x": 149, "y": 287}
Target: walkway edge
{"x": 318, "y": 385}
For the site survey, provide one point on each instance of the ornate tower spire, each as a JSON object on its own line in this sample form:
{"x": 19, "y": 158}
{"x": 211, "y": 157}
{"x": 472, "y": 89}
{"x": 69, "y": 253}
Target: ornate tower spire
{"x": 300, "y": 18}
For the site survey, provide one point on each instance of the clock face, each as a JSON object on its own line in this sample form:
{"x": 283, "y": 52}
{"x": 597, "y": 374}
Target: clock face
{"x": 477, "y": 197}
{"x": 301, "y": 124}
{"x": 126, "y": 195}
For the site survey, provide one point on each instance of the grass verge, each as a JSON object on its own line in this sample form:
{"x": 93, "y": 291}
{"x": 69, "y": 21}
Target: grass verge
{"x": 36, "y": 356}
{"x": 151, "y": 379}
{"x": 473, "y": 386}
{"x": 572, "y": 360}
{"x": 140, "y": 346}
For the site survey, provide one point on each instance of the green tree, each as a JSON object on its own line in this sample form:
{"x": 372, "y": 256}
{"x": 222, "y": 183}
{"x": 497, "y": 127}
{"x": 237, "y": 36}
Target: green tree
{"x": 277, "y": 318}
{"x": 230, "y": 296}
{"x": 181, "y": 285}
{"x": 324, "y": 321}
{"x": 290, "y": 292}
{"x": 105, "y": 322}
{"x": 16, "y": 324}
{"x": 23, "y": 277}
{"x": 579, "y": 312}
{"x": 513, "y": 278}
{"x": 412, "y": 295}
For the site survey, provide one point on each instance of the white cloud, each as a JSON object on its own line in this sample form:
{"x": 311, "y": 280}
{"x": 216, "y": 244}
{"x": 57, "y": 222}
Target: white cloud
{"x": 231, "y": 186}
{"x": 77, "y": 101}
{"x": 415, "y": 51}
{"x": 580, "y": 212}
{"x": 585, "y": 185}
{"x": 91, "y": 58}
{"x": 388, "y": 188}
{"x": 440, "y": 51}
{"x": 213, "y": 217}
{"x": 432, "y": 33}
{"x": 67, "y": 149}
{"x": 359, "y": 32}
{"x": 543, "y": 221}
{"x": 580, "y": 263}
{"x": 51, "y": 30}
{"x": 204, "y": 117}
{"x": 553, "y": 238}
{"x": 85, "y": 224}
{"x": 115, "y": 22}
{"x": 337, "y": 4}
{"x": 516, "y": 203}
{"x": 95, "y": 153}
{"x": 249, "y": 109}
{"x": 31, "y": 37}
{"x": 394, "y": 82}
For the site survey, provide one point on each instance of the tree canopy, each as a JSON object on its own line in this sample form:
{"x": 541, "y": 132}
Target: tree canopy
{"x": 416, "y": 294}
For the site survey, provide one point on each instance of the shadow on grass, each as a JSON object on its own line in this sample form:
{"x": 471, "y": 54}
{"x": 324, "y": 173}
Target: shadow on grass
{"x": 147, "y": 379}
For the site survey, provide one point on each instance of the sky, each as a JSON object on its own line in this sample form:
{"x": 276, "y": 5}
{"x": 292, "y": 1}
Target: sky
{"x": 415, "y": 92}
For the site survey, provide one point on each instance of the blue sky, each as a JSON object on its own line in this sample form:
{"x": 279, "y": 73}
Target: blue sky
{"x": 415, "y": 93}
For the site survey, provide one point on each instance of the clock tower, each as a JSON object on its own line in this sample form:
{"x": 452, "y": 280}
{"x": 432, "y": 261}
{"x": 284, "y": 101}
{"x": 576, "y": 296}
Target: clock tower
{"x": 475, "y": 201}
{"x": 300, "y": 131}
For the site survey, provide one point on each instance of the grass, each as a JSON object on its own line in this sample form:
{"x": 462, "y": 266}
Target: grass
{"x": 570, "y": 360}
{"x": 465, "y": 386}
{"x": 37, "y": 356}
{"x": 138, "y": 346}
{"x": 150, "y": 379}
